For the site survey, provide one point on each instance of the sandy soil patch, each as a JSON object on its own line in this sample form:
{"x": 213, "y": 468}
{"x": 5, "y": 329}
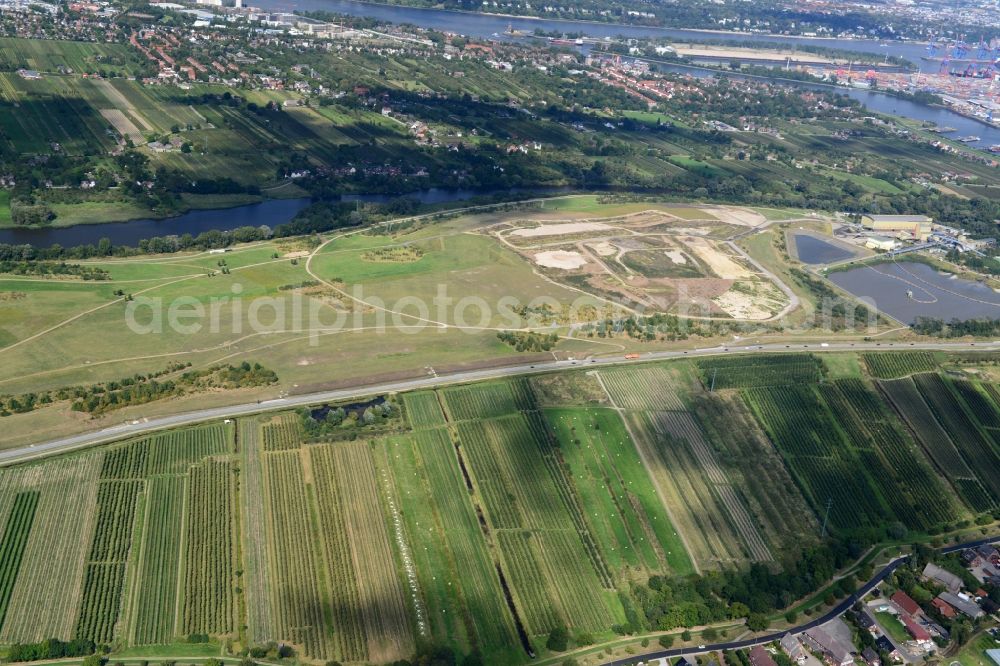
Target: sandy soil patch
{"x": 693, "y": 231}
{"x": 741, "y": 306}
{"x": 298, "y": 254}
{"x": 563, "y": 259}
{"x": 747, "y": 54}
{"x": 604, "y": 248}
{"x": 677, "y": 257}
{"x": 123, "y": 125}
{"x": 721, "y": 263}
{"x": 561, "y": 229}
{"x": 739, "y": 216}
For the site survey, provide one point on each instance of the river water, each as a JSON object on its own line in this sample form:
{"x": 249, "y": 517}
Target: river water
{"x": 271, "y": 213}
{"x": 881, "y": 103}
{"x": 494, "y": 27}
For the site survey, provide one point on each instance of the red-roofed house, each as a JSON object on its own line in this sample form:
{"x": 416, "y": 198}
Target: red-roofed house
{"x": 761, "y": 657}
{"x": 944, "y": 608}
{"x": 905, "y": 603}
{"x": 919, "y": 634}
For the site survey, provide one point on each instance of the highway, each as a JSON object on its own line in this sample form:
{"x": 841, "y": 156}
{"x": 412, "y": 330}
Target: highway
{"x": 142, "y": 426}
{"x": 771, "y": 637}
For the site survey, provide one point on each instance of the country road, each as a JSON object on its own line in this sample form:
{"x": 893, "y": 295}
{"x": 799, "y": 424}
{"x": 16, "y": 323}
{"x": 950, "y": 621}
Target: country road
{"x": 836, "y": 611}
{"x": 141, "y": 426}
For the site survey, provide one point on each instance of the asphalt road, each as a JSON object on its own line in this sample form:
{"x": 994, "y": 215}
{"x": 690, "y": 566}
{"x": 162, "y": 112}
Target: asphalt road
{"x": 142, "y": 426}
{"x": 771, "y": 637}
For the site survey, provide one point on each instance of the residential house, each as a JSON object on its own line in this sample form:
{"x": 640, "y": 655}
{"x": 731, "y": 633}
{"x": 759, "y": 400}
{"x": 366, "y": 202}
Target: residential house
{"x": 962, "y": 604}
{"x": 991, "y": 607}
{"x": 919, "y": 634}
{"x": 943, "y": 577}
{"x": 833, "y": 650}
{"x": 761, "y": 657}
{"x": 864, "y": 620}
{"x": 870, "y": 656}
{"x": 943, "y": 607}
{"x": 793, "y": 648}
{"x": 885, "y": 645}
{"x": 971, "y": 558}
{"x": 988, "y": 553}
{"x": 905, "y": 603}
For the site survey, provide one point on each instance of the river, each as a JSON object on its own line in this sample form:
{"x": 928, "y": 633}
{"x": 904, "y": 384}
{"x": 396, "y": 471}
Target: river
{"x": 271, "y": 213}
{"x": 494, "y": 27}
{"x": 879, "y": 103}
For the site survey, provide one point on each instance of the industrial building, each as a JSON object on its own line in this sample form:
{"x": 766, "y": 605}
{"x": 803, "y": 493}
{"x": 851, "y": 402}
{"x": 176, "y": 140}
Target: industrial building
{"x": 917, "y": 227}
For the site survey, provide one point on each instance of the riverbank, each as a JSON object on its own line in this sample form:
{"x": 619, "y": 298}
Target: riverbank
{"x": 594, "y": 22}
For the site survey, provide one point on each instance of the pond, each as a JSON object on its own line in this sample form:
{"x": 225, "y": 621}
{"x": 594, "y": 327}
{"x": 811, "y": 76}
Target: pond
{"x": 907, "y": 290}
{"x": 811, "y": 249}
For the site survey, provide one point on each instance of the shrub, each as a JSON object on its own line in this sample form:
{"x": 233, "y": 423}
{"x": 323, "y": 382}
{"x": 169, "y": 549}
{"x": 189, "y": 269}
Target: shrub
{"x": 558, "y": 639}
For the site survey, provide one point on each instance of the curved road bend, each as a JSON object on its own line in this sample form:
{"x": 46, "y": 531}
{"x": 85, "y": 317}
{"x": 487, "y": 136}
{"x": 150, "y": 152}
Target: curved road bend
{"x": 836, "y": 611}
{"x": 142, "y": 426}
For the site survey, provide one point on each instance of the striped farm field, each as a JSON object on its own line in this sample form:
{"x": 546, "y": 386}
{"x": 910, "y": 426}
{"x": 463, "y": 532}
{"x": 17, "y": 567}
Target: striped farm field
{"x": 802, "y": 428}
{"x": 282, "y": 433}
{"x": 891, "y": 365}
{"x": 477, "y": 401}
{"x": 167, "y": 453}
{"x": 982, "y": 408}
{"x": 156, "y": 607}
{"x": 294, "y": 586}
{"x": 423, "y": 409}
{"x": 630, "y": 522}
{"x": 956, "y": 418}
{"x": 755, "y": 470}
{"x": 489, "y": 621}
{"x": 381, "y": 597}
{"x": 13, "y": 544}
{"x": 46, "y": 597}
{"x": 350, "y": 639}
{"x": 683, "y": 429}
{"x": 759, "y": 370}
{"x": 697, "y": 514}
{"x": 462, "y": 598}
{"x": 652, "y": 387}
{"x": 913, "y": 410}
{"x": 105, "y": 575}
{"x": 920, "y": 499}
{"x": 495, "y": 512}
{"x": 209, "y": 562}
{"x": 540, "y": 498}
{"x": 253, "y": 517}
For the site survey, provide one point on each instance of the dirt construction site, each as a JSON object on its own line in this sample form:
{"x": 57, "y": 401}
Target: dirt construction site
{"x": 672, "y": 260}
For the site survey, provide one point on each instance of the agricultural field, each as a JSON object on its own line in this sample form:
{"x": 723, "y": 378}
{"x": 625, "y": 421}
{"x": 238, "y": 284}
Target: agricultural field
{"x": 759, "y": 370}
{"x": 81, "y": 57}
{"x": 495, "y": 513}
{"x": 891, "y": 366}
